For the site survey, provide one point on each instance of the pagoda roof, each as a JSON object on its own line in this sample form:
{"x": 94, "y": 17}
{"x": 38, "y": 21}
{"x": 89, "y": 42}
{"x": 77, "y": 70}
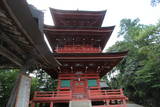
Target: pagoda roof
{"x": 77, "y": 18}
{"x": 87, "y": 55}
{"x": 99, "y": 62}
{"x": 63, "y": 35}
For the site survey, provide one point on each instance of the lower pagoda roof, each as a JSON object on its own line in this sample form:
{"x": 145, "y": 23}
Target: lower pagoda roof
{"x": 101, "y": 63}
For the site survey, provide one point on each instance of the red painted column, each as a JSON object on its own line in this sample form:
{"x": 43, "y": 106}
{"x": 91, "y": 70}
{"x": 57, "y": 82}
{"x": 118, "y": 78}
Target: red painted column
{"x": 107, "y": 102}
{"x": 32, "y": 104}
{"x": 51, "y": 104}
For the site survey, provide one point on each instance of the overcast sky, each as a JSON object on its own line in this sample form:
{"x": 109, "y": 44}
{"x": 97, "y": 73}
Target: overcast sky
{"x": 116, "y": 10}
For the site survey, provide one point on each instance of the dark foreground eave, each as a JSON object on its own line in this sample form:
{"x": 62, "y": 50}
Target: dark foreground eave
{"x": 19, "y": 11}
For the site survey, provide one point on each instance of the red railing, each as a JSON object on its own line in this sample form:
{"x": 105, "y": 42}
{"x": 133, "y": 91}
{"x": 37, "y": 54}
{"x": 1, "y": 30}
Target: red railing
{"x": 52, "y": 96}
{"x": 109, "y": 94}
{"x": 113, "y": 98}
{"x": 77, "y": 49}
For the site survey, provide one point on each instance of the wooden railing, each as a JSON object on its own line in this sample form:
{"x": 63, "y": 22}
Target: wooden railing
{"x": 106, "y": 94}
{"x": 77, "y": 49}
{"x": 112, "y": 98}
{"x": 52, "y": 96}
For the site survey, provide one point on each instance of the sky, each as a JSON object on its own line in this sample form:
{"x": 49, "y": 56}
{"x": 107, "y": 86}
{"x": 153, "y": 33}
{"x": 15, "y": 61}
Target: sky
{"x": 116, "y": 10}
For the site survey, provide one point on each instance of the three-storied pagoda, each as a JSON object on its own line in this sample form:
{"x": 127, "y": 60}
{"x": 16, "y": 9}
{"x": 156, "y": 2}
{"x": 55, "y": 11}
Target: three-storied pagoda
{"x": 77, "y": 40}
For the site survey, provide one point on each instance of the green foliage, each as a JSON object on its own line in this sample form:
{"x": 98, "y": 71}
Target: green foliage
{"x": 140, "y": 71}
{"x": 7, "y": 78}
{"x": 41, "y": 82}
{"x": 155, "y": 2}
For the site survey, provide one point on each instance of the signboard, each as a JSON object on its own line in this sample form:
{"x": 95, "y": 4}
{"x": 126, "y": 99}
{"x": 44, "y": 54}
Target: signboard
{"x": 23, "y": 93}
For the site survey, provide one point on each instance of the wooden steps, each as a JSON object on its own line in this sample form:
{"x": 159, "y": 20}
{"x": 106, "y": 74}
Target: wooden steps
{"x": 80, "y": 103}
{"x": 119, "y": 105}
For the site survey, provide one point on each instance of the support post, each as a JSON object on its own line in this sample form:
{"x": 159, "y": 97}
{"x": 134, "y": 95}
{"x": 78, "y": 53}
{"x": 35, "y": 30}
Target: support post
{"x": 51, "y": 104}
{"x": 32, "y": 104}
{"x": 107, "y": 102}
{"x": 13, "y": 95}
{"x": 21, "y": 92}
{"x": 124, "y": 102}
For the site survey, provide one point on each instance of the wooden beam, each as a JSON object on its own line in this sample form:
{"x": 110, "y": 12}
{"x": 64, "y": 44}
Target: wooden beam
{"x": 11, "y": 42}
{"x": 20, "y": 93}
{"x": 11, "y": 56}
{"x": 21, "y": 15}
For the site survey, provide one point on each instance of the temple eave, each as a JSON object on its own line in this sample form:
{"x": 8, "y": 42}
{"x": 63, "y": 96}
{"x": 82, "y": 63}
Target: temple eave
{"x": 101, "y": 29}
{"x": 100, "y": 63}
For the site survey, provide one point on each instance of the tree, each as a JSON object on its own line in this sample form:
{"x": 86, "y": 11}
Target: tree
{"x": 155, "y": 2}
{"x": 40, "y": 82}
{"x": 7, "y": 78}
{"x": 140, "y": 71}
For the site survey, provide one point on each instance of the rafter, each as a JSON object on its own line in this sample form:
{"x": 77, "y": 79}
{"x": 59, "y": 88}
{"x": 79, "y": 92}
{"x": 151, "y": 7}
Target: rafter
{"x": 11, "y": 56}
{"x": 11, "y": 42}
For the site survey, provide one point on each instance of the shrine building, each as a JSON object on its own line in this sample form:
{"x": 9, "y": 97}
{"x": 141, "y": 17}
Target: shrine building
{"x": 77, "y": 40}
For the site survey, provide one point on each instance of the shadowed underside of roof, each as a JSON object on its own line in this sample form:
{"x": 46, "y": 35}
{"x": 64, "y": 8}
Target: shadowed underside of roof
{"x": 98, "y": 62}
{"x": 60, "y": 36}
{"x": 21, "y": 42}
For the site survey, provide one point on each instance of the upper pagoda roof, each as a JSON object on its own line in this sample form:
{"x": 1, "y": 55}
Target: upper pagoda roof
{"x": 77, "y": 18}
{"x": 61, "y": 36}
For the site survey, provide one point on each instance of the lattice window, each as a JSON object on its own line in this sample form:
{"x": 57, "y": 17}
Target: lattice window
{"x": 92, "y": 83}
{"x": 65, "y": 83}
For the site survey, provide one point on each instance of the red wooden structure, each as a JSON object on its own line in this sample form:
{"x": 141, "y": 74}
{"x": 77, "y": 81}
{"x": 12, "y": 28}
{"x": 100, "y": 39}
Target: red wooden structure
{"x": 77, "y": 40}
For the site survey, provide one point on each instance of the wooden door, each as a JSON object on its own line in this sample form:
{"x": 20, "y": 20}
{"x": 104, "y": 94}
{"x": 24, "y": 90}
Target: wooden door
{"x": 79, "y": 89}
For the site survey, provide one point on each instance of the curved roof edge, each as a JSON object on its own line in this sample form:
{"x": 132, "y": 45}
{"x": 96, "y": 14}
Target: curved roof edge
{"x": 73, "y": 27}
{"x": 75, "y": 11}
{"x": 122, "y": 53}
